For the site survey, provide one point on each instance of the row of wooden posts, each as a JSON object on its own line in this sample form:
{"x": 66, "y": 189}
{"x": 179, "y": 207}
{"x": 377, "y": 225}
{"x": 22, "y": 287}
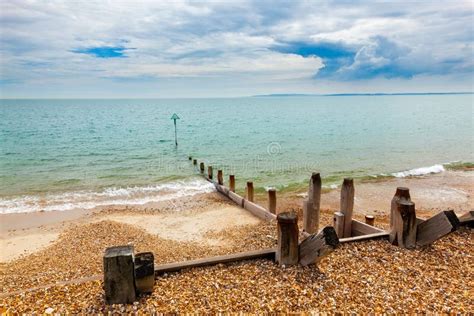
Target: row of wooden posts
{"x": 126, "y": 275}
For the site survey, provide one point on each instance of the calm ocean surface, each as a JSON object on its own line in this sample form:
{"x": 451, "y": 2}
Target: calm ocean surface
{"x": 63, "y": 154}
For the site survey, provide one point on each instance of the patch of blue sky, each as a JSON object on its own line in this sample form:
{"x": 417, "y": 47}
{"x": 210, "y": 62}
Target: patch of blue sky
{"x": 103, "y": 51}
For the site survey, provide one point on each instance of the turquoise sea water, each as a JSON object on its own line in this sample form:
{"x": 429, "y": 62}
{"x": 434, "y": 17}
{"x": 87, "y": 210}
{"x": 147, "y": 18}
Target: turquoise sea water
{"x": 57, "y": 154}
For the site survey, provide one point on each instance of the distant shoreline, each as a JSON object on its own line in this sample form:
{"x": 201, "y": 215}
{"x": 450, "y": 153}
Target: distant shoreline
{"x": 357, "y": 94}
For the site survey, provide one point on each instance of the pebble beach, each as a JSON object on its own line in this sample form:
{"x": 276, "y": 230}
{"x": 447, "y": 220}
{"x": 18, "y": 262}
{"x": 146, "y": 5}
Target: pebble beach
{"x": 364, "y": 277}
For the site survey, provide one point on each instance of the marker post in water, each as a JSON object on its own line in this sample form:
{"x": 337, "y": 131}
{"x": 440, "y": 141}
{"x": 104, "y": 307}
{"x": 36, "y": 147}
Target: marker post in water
{"x": 174, "y": 118}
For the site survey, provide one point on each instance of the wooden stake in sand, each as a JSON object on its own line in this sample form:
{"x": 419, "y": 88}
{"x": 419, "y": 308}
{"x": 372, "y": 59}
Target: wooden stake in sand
{"x": 317, "y": 246}
{"x": 201, "y": 167}
{"x": 287, "y": 250}
{"x": 404, "y": 223}
{"x": 220, "y": 177}
{"x": 250, "y": 191}
{"x": 347, "y": 204}
{"x": 144, "y": 272}
{"x": 272, "y": 201}
{"x": 232, "y": 183}
{"x": 209, "y": 172}
{"x": 311, "y": 207}
{"x": 370, "y": 220}
{"x": 401, "y": 193}
{"x": 309, "y": 217}
{"x": 195, "y": 162}
{"x": 436, "y": 227}
{"x": 119, "y": 275}
{"x": 339, "y": 224}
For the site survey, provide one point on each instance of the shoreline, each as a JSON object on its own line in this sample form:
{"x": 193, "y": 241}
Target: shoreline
{"x": 25, "y": 233}
{"x": 209, "y": 225}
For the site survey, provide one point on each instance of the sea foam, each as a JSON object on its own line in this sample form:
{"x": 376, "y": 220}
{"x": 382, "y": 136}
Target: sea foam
{"x": 419, "y": 171}
{"x": 110, "y": 196}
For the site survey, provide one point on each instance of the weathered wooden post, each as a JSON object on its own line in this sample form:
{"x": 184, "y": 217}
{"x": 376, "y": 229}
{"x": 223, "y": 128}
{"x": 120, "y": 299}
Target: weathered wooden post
{"x": 405, "y": 224}
{"x": 144, "y": 272}
{"x": 370, "y": 220}
{"x": 347, "y": 205}
{"x": 250, "y": 191}
{"x": 401, "y": 193}
{"x": 195, "y": 162}
{"x": 339, "y": 224}
{"x": 309, "y": 217}
{"x": 190, "y": 158}
{"x": 119, "y": 275}
{"x": 272, "y": 201}
{"x": 232, "y": 183}
{"x": 201, "y": 167}
{"x": 287, "y": 250}
{"x": 209, "y": 172}
{"x": 220, "y": 177}
{"x": 311, "y": 207}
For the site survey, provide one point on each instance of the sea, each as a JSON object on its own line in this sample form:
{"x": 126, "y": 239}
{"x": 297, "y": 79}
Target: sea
{"x": 64, "y": 154}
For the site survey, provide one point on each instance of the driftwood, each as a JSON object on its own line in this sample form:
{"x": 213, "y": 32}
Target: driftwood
{"x": 347, "y": 204}
{"x": 249, "y": 255}
{"x": 317, "y": 246}
{"x": 119, "y": 275}
{"x": 404, "y": 224}
{"x": 436, "y": 227}
{"x": 272, "y": 201}
{"x": 287, "y": 250}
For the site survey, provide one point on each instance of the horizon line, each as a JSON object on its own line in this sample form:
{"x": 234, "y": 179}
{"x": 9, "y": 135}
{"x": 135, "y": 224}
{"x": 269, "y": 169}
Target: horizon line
{"x": 248, "y": 96}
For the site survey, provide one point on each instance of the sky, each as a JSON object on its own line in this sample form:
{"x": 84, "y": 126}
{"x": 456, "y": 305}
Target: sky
{"x": 180, "y": 49}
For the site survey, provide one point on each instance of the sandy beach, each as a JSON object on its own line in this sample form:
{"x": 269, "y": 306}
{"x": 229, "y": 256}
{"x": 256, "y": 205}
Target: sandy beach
{"x": 42, "y": 248}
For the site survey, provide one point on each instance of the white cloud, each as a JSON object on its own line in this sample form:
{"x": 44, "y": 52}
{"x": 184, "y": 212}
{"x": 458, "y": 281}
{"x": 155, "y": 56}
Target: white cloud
{"x": 229, "y": 42}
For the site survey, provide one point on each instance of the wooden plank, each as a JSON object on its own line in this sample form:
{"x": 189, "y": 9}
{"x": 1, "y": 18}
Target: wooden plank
{"x": 258, "y": 211}
{"x": 419, "y": 220}
{"x": 317, "y": 246}
{"x": 467, "y": 219}
{"x": 248, "y": 255}
{"x": 365, "y": 237}
{"x": 347, "y": 204}
{"x": 436, "y": 227}
{"x": 287, "y": 249}
{"x": 359, "y": 228}
{"x": 338, "y": 223}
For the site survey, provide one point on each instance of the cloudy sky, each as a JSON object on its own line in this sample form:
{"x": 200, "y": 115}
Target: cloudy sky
{"x": 223, "y": 48}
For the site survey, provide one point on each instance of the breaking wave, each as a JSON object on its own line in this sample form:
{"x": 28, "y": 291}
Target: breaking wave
{"x": 110, "y": 196}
